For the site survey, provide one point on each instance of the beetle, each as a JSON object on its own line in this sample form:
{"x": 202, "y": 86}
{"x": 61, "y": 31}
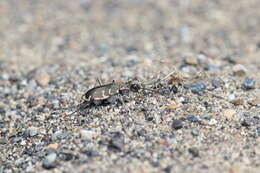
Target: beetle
{"x": 101, "y": 93}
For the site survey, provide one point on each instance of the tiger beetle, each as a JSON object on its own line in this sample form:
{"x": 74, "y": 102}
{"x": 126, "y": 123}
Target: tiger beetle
{"x": 106, "y": 92}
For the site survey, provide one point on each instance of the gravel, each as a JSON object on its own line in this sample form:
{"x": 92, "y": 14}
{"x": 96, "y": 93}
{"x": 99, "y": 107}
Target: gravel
{"x": 248, "y": 83}
{"x": 199, "y": 65}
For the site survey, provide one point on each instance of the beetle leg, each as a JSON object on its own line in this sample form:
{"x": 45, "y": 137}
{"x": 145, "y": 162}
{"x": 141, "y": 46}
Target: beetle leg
{"x": 99, "y": 82}
{"x": 112, "y": 99}
{"x": 97, "y": 102}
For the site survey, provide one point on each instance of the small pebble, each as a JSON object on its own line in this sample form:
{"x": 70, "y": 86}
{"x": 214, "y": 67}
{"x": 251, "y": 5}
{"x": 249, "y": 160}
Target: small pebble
{"x": 237, "y": 102}
{"x": 212, "y": 122}
{"x": 117, "y": 142}
{"x": 4, "y": 76}
{"x": 167, "y": 169}
{"x": 191, "y": 60}
{"x": 192, "y": 118}
{"x": 66, "y": 156}
{"x": 29, "y": 168}
{"x": 32, "y": 131}
{"x": 255, "y": 102}
{"x": 19, "y": 161}
{"x": 43, "y": 79}
{"x": 31, "y": 85}
{"x": 53, "y": 146}
{"x": 59, "y": 135}
{"x": 258, "y": 131}
{"x": 132, "y": 60}
{"x": 229, "y": 113}
{"x": 131, "y": 49}
{"x": 239, "y": 70}
{"x": 230, "y": 59}
{"x": 49, "y": 161}
{"x": 248, "y": 83}
{"x": 211, "y": 67}
{"x": 195, "y": 132}
{"x": 174, "y": 89}
{"x": 87, "y": 134}
{"x": 2, "y": 111}
{"x": 173, "y": 106}
{"x": 103, "y": 47}
{"x": 216, "y": 83}
{"x": 196, "y": 87}
{"x": 206, "y": 116}
{"x": 245, "y": 123}
{"x": 177, "y": 124}
{"x": 194, "y": 152}
{"x": 3, "y": 141}
{"x": 90, "y": 153}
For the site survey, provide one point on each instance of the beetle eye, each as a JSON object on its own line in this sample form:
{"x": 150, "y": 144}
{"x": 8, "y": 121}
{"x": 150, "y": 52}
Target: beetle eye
{"x": 135, "y": 87}
{"x": 85, "y": 97}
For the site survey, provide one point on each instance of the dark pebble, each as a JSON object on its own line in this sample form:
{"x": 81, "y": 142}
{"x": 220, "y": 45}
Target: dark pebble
{"x": 216, "y": 83}
{"x": 2, "y": 124}
{"x": 18, "y": 106}
{"x": 177, "y": 124}
{"x": 66, "y": 156}
{"x": 245, "y": 123}
{"x": 194, "y": 152}
{"x": 149, "y": 118}
{"x": 230, "y": 59}
{"x": 186, "y": 100}
{"x": 31, "y": 101}
{"x": 156, "y": 164}
{"x": 168, "y": 169}
{"x": 29, "y": 151}
{"x": 2, "y": 111}
{"x": 207, "y": 104}
{"x": 117, "y": 142}
{"x": 196, "y": 87}
{"x": 141, "y": 132}
{"x": 248, "y": 83}
{"x": 90, "y": 153}
{"x": 192, "y": 118}
{"x": 131, "y": 49}
{"x": 195, "y": 132}
{"x": 258, "y": 131}
{"x": 174, "y": 89}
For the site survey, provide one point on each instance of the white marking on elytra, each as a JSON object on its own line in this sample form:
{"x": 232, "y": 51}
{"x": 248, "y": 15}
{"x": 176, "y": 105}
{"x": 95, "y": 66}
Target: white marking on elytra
{"x": 87, "y": 98}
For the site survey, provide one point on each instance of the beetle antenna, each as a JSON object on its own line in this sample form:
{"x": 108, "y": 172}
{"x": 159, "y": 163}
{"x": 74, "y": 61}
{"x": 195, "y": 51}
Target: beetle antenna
{"x": 154, "y": 81}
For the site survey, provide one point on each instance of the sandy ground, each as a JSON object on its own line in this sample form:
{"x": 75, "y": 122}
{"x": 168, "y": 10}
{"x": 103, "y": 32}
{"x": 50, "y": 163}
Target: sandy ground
{"x": 204, "y": 117}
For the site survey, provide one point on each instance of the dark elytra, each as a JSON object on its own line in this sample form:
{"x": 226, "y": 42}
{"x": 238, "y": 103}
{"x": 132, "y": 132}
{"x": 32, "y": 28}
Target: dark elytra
{"x": 101, "y": 93}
